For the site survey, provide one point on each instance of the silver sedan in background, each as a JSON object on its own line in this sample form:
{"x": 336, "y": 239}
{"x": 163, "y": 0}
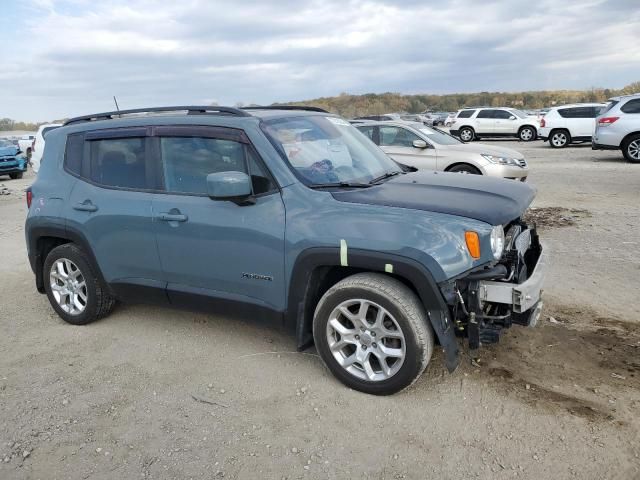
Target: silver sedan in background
{"x": 425, "y": 148}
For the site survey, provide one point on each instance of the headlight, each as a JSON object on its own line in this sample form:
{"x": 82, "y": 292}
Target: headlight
{"x": 501, "y": 160}
{"x": 497, "y": 241}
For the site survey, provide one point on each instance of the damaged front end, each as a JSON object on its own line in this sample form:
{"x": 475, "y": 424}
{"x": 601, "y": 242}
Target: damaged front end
{"x": 485, "y": 302}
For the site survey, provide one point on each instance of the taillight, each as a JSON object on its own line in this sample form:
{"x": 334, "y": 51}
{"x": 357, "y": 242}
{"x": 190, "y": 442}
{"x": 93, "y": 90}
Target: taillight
{"x": 29, "y": 197}
{"x": 604, "y": 121}
{"x": 542, "y": 122}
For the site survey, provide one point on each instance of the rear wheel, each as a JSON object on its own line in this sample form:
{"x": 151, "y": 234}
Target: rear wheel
{"x": 372, "y": 332}
{"x": 526, "y": 134}
{"x": 559, "y": 139}
{"x": 465, "y": 168}
{"x": 466, "y": 134}
{"x": 15, "y": 176}
{"x": 631, "y": 148}
{"x": 74, "y": 289}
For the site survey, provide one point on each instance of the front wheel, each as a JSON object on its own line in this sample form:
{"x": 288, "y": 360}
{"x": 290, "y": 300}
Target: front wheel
{"x": 631, "y": 149}
{"x": 465, "y": 168}
{"x": 526, "y": 134}
{"x": 372, "y": 332}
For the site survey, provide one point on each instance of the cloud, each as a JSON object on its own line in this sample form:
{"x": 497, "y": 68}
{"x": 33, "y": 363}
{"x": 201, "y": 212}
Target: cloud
{"x": 72, "y": 56}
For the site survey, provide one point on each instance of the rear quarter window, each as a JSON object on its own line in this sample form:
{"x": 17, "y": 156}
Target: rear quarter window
{"x": 466, "y": 114}
{"x": 632, "y": 106}
{"x": 73, "y": 154}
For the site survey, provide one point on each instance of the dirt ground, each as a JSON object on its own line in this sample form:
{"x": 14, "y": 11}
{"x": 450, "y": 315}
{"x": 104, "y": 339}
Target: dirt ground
{"x": 158, "y": 393}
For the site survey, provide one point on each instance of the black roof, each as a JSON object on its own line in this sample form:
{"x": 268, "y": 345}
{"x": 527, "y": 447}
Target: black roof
{"x": 190, "y": 110}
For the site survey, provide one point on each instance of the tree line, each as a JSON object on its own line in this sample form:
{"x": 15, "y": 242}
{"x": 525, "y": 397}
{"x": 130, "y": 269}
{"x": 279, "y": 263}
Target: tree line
{"x": 351, "y": 106}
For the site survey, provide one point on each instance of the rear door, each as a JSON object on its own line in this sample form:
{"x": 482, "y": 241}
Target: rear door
{"x": 110, "y": 205}
{"x": 216, "y": 249}
{"x": 485, "y": 122}
{"x": 397, "y": 142}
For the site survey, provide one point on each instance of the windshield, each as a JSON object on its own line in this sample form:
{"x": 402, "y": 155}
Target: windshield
{"x": 519, "y": 113}
{"x": 327, "y": 150}
{"x": 438, "y": 136}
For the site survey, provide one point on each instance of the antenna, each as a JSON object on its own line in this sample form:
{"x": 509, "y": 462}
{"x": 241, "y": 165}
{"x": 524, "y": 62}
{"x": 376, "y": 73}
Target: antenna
{"x": 116, "y": 102}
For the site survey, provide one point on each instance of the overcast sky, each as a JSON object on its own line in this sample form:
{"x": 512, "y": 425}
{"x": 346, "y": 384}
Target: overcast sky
{"x": 61, "y": 58}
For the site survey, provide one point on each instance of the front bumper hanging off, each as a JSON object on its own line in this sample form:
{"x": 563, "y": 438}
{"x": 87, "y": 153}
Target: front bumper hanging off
{"x": 510, "y": 292}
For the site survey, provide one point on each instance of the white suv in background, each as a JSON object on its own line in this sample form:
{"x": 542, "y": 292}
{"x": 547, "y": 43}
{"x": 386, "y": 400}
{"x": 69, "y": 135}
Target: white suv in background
{"x": 37, "y": 147}
{"x": 569, "y": 123}
{"x": 618, "y": 127}
{"x": 474, "y": 123}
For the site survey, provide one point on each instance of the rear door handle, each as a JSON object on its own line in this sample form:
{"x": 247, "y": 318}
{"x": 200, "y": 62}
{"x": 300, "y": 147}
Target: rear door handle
{"x": 172, "y": 217}
{"x": 85, "y": 206}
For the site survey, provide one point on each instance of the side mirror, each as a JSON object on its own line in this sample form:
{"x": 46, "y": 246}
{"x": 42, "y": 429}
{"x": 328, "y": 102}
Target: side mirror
{"x": 228, "y": 185}
{"x": 512, "y": 117}
{"x": 420, "y": 144}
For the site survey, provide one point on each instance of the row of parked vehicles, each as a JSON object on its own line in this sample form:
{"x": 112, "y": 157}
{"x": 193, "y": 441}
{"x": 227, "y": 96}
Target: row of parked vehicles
{"x": 614, "y": 125}
{"x": 17, "y": 153}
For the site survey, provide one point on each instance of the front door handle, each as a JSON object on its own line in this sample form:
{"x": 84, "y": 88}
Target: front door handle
{"x": 85, "y": 206}
{"x": 172, "y": 217}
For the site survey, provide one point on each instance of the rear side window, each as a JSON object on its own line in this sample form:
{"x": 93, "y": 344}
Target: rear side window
{"x": 368, "y": 131}
{"x": 632, "y": 106}
{"x": 465, "y": 113}
{"x": 578, "y": 112}
{"x": 485, "y": 114}
{"x": 73, "y": 153}
{"x": 118, "y": 162}
{"x": 186, "y": 162}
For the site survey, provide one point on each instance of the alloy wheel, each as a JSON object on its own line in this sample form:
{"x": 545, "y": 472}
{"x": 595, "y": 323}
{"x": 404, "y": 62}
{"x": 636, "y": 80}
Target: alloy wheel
{"x": 466, "y": 135}
{"x": 559, "y": 139}
{"x": 526, "y": 134}
{"x": 68, "y": 286}
{"x": 634, "y": 149}
{"x": 366, "y": 340}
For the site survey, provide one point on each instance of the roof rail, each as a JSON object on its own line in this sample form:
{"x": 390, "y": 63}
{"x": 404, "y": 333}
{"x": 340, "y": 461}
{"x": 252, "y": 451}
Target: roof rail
{"x": 190, "y": 109}
{"x": 287, "y": 107}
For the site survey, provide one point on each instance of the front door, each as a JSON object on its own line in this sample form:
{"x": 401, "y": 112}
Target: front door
{"x": 504, "y": 122}
{"x": 217, "y": 249}
{"x": 397, "y": 142}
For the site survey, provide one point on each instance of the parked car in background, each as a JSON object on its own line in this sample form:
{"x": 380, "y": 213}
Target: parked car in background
{"x": 427, "y": 148}
{"x": 473, "y": 123}
{"x": 386, "y": 116}
{"x": 425, "y": 119}
{"x": 618, "y": 127}
{"x": 289, "y": 214}
{"x": 569, "y": 124}
{"x": 25, "y": 143}
{"x": 12, "y": 161}
{"x": 37, "y": 147}
{"x": 450, "y": 119}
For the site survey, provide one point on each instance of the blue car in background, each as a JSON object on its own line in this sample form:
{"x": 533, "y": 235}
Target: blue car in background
{"x": 12, "y": 162}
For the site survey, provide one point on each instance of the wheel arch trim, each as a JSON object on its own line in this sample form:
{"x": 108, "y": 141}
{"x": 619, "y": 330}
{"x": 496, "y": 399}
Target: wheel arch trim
{"x": 300, "y": 305}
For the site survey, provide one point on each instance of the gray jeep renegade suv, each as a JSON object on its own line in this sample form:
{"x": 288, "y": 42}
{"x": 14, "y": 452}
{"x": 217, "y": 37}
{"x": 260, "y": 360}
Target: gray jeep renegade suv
{"x": 287, "y": 213}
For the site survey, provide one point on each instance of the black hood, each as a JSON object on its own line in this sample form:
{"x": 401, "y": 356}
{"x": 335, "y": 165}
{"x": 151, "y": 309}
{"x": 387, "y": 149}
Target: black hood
{"x": 492, "y": 200}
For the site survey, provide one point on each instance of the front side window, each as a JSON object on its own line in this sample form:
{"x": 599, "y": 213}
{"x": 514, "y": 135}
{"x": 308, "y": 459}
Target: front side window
{"x": 438, "y": 136}
{"x": 118, "y": 162}
{"x": 502, "y": 114}
{"x": 186, "y": 162}
{"x": 327, "y": 150}
{"x": 397, "y": 137}
{"x": 368, "y": 131}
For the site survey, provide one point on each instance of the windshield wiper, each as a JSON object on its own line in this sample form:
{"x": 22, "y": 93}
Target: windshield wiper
{"x": 385, "y": 176}
{"x": 340, "y": 184}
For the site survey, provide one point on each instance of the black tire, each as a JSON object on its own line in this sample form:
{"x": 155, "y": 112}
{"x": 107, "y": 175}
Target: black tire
{"x": 559, "y": 138}
{"x": 99, "y": 302}
{"x": 467, "y": 134}
{"x": 15, "y": 176}
{"x": 465, "y": 168}
{"x": 527, "y": 134}
{"x": 403, "y": 306}
{"x": 631, "y": 148}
